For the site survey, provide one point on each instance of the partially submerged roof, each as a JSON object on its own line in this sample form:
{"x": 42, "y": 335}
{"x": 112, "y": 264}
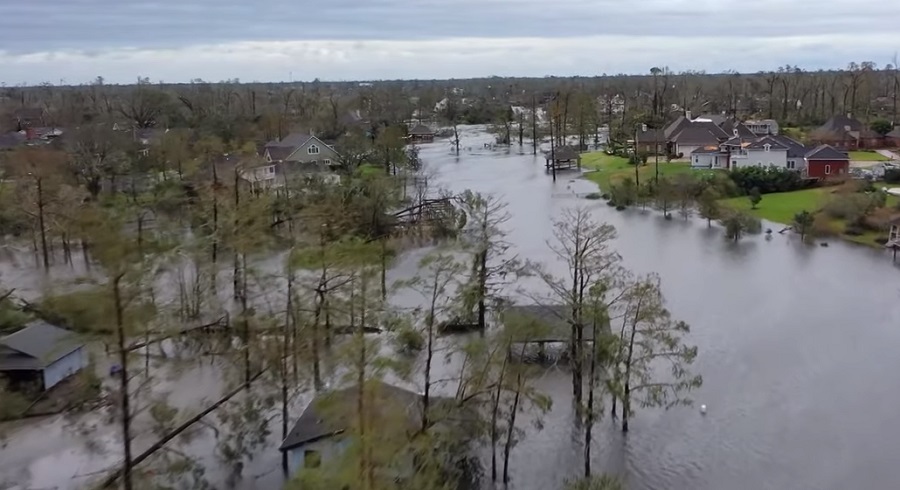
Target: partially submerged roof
{"x": 421, "y": 130}
{"x": 563, "y": 153}
{"x": 330, "y": 413}
{"x": 826, "y": 152}
{"x": 37, "y": 346}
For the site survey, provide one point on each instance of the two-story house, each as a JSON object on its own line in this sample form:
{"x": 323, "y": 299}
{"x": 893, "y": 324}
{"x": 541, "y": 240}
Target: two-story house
{"x": 739, "y": 151}
{"x": 301, "y": 148}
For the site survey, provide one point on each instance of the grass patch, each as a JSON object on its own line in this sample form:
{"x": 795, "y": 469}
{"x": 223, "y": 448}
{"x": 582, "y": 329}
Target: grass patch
{"x": 867, "y": 156}
{"x": 782, "y": 206}
{"x": 610, "y": 169}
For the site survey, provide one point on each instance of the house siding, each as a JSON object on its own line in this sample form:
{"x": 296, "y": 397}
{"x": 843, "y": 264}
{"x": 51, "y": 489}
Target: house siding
{"x": 776, "y": 158}
{"x": 328, "y": 448}
{"x": 325, "y": 152}
{"x": 816, "y": 168}
{"x": 66, "y": 366}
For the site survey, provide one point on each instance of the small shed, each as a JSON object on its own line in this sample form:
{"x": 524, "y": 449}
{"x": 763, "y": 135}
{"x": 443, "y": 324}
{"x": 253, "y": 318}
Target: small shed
{"x": 41, "y": 355}
{"x": 317, "y": 435}
{"x": 563, "y": 157}
{"x": 421, "y": 133}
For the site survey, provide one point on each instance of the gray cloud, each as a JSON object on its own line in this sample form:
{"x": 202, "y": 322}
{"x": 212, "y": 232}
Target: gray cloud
{"x": 123, "y": 38}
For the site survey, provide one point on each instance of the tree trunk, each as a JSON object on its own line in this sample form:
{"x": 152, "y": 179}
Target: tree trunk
{"x": 495, "y": 411}
{"x": 534, "y": 123}
{"x": 124, "y": 396}
{"x": 40, "y": 203}
{"x": 512, "y": 421}
{"x": 588, "y": 430}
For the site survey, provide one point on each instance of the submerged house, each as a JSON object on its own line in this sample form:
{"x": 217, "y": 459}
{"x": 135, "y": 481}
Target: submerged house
{"x": 319, "y": 436}
{"x": 41, "y": 355}
{"x": 421, "y": 133}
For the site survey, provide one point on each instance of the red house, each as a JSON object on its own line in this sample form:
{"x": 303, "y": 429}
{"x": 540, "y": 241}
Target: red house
{"x": 825, "y": 162}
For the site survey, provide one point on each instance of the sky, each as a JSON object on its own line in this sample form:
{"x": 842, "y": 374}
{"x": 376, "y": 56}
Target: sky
{"x": 74, "y": 41}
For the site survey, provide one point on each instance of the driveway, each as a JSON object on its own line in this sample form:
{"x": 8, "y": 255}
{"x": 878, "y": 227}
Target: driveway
{"x": 888, "y": 153}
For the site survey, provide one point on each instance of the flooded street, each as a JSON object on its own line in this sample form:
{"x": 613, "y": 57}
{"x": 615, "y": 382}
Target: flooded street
{"x": 798, "y": 346}
{"x": 798, "y": 351}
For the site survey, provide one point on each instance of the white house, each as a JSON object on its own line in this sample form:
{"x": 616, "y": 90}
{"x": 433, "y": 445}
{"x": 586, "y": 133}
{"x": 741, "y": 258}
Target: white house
{"x": 767, "y": 151}
{"x": 41, "y": 354}
{"x": 762, "y": 127}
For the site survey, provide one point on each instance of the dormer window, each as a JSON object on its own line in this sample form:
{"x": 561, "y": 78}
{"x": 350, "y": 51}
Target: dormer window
{"x": 313, "y": 150}
{"x": 767, "y": 147}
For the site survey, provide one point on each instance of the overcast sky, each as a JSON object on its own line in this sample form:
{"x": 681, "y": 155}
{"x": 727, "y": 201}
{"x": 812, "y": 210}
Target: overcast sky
{"x": 274, "y": 40}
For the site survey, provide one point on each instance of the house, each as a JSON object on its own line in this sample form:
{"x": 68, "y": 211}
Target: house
{"x": 651, "y": 141}
{"x": 693, "y": 135}
{"x": 825, "y": 162}
{"x": 319, "y": 434}
{"x": 29, "y": 116}
{"x": 421, "y": 133}
{"x": 761, "y": 127}
{"x": 846, "y": 133}
{"x": 892, "y": 139}
{"x": 41, "y": 355}
{"x": 300, "y": 148}
{"x": 766, "y": 151}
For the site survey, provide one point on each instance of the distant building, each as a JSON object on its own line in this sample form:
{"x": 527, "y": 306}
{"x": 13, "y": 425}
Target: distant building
{"x": 762, "y": 127}
{"x": 297, "y": 148}
{"x": 41, "y": 355}
{"x": 846, "y": 133}
{"x": 421, "y": 133}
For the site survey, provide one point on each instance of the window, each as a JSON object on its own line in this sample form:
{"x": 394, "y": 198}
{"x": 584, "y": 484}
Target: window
{"x": 312, "y": 458}
{"x": 767, "y": 147}
{"x": 313, "y": 150}
{"x": 791, "y": 164}
{"x": 327, "y": 161}
{"x": 271, "y": 170}
{"x": 827, "y": 169}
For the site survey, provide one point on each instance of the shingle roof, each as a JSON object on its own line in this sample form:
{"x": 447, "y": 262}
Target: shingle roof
{"x": 42, "y": 343}
{"x": 561, "y": 153}
{"x": 421, "y": 130}
{"x": 293, "y": 140}
{"x": 840, "y": 123}
{"x": 706, "y": 149}
{"x": 826, "y": 152}
{"x": 329, "y": 413}
{"x": 700, "y": 133}
{"x": 652, "y": 136}
{"x": 675, "y": 126}
{"x": 767, "y": 140}
{"x": 278, "y": 153}
{"x": 795, "y": 148}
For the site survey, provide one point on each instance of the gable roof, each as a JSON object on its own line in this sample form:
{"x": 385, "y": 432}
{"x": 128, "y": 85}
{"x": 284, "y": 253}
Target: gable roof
{"x": 676, "y": 126}
{"x": 795, "y": 148}
{"x": 293, "y": 140}
{"x": 700, "y": 133}
{"x": 314, "y": 424}
{"x": 279, "y": 153}
{"x": 652, "y": 136}
{"x": 841, "y": 123}
{"x": 767, "y": 140}
{"x": 40, "y": 344}
{"x": 826, "y": 152}
{"x": 561, "y": 153}
{"x": 421, "y": 130}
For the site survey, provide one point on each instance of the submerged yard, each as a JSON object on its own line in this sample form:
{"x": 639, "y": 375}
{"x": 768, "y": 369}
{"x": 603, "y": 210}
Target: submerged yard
{"x": 606, "y": 169}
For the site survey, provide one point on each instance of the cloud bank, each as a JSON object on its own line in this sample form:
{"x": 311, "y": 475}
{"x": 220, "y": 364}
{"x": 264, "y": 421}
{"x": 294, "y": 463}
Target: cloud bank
{"x": 275, "y": 40}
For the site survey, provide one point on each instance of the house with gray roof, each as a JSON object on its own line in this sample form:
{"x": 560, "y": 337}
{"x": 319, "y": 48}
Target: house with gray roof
{"x": 41, "y": 355}
{"x": 846, "y": 133}
{"x": 301, "y": 148}
{"x": 766, "y": 151}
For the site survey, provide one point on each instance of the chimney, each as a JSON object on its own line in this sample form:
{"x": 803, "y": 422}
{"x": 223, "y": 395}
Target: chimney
{"x": 687, "y": 114}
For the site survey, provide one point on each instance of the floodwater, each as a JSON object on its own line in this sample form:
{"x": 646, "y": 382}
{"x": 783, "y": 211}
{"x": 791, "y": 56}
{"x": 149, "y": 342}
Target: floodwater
{"x": 797, "y": 349}
{"x": 798, "y": 346}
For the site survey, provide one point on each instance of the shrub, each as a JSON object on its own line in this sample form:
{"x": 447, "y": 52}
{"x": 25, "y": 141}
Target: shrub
{"x": 409, "y": 340}
{"x": 892, "y": 176}
{"x": 849, "y": 206}
{"x": 767, "y": 179}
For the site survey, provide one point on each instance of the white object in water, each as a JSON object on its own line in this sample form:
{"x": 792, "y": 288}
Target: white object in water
{"x": 703, "y": 409}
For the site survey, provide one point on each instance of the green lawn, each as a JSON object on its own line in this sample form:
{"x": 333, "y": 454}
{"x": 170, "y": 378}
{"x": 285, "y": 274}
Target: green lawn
{"x": 610, "y": 169}
{"x": 781, "y": 207}
{"x": 867, "y": 156}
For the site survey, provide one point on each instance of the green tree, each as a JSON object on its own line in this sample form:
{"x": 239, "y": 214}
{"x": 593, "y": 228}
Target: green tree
{"x": 708, "y": 205}
{"x": 803, "y": 224}
{"x": 755, "y": 197}
{"x": 739, "y": 223}
{"x": 881, "y": 126}
{"x": 647, "y": 337}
